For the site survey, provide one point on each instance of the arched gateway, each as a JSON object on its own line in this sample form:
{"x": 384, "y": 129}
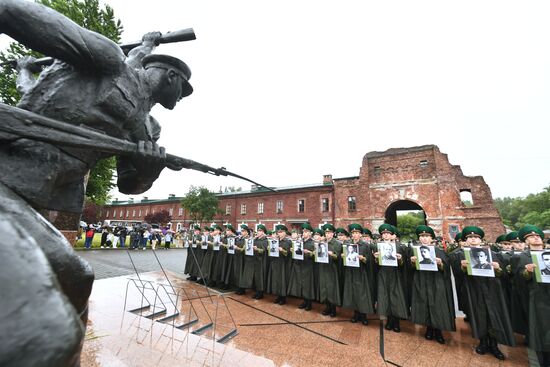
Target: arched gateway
{"x": 415, "y": 179}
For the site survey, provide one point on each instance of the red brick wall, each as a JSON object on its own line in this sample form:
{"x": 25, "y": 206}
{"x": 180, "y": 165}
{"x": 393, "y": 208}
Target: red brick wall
{"x": 384, "y": 178}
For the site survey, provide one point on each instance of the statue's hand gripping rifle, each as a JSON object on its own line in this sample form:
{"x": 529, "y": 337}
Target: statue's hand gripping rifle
{"x": 178, "y": 36}
{"x": 19, "y": 123}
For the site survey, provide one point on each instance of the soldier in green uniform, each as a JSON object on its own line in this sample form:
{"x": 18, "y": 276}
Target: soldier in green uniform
{"x": 392, "y": 302}
{"x": 489, "y": 317}
{"x": 238, "y": 260}
{"x": 342, "y": 236}
{"x": 519, "y": 290}
{"x": 505, "y": 254}
{"x": 432, "y": 292}
{"x": 329, "y": 280}
{"x": 301, "y": 282}
{"x": 208, "y": 259}
{"x": 191, "y": 262}
{"x": 357, "y": 284}
{"x": 254, "y": 268}
{"x": 539, "y": 296}
{"x": 218, "y": 256}
{"x": 226, "y": 259}
{"x": 318, "y": 237}
{"x": 277, "y": 280}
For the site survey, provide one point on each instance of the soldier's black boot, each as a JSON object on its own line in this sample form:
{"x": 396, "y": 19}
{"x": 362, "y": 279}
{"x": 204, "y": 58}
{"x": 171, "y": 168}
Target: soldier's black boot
{"x": 303, "y": 304}
{"x": 396, "y": 327}
{"x": 493, "y": 348}
{"x": 327, "y": 310}
{"x": 355, "y": 317}
{"x": 282, "y": 301}
{"x": 482, "y": 347}
{"x": 333, "y": 311}
{"x": 260, "y": 294}
{"x": 364, "y": 319}
{"x": 308, "y": 305}
{"x": 439, "y": 337}
{"x": 429, "y": 333}
{"x": 277, "y": 299}
{"x": 389, "y": 323}
{"x": 240, "y": 291}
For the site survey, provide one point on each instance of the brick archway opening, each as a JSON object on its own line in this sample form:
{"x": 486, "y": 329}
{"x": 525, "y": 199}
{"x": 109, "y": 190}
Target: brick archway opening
{"x": 402, "y": 207}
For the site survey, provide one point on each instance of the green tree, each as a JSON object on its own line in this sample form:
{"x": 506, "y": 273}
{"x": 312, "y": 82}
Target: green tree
{"x": 162, "y": 217}
{"x": 533, "y": 209}
{"x": 406, "y": 225}
{"x": 201, "y": 204}
{"x": 88, "y": 14}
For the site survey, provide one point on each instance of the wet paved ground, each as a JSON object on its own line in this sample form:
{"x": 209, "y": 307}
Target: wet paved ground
{"x": 268, "y": 334}
{"x": 109, "y": 263}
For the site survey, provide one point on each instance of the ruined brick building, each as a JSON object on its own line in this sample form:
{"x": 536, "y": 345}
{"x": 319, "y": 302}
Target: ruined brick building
{"x": 398, "y": 179}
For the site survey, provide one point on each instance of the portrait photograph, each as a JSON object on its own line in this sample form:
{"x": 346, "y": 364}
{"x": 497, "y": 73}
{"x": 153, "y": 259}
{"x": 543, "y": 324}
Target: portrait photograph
{"x": 186, "y": 243}
{"x": 542, "y": 261}
{"x": 479, "y": 261}
{"x": 217, "y": 242}
{"x": 351, "y": 255}
{"x": 321, "y": 252}
{"x": 273, "y": 247}
{"x": 204, "y": 245}
{"x": 425, "y": 256}
{"x": 231, "y": 245}
{"x": 249, "y": 247}
{"x": 298, "y": 247}
{"x": 387, "y": 254}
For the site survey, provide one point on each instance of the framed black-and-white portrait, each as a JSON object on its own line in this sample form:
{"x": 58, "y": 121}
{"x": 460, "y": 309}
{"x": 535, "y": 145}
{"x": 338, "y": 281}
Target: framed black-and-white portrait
{"x": 204, "y": 243}
{"x": 542, "y": 261}
{"x": 249, "y": 246}
{"x": 387, "y": 254}
{"x": 273, "y": 247}
{"x": 231, "y": 245}
{"x": 217, "y": 242}
{"x": 298, "y": 247}
{"x": 321, "y": 252}
{"x": 480, "y": 261}
{"x": 351, "y": 255}
{"x": 425, "y": 258}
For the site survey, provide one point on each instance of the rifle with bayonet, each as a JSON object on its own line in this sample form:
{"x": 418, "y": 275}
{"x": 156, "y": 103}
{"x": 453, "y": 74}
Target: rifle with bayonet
{"x": 18, "y": 123}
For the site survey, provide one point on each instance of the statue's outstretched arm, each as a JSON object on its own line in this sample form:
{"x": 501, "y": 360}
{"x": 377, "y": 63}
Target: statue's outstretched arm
{"x": 148, "y": 44}
{"x": 45, "y": 30}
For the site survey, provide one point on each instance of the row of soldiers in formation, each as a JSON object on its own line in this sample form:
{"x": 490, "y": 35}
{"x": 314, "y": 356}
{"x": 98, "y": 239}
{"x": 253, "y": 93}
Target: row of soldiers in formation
{"x": 496, "y": 307}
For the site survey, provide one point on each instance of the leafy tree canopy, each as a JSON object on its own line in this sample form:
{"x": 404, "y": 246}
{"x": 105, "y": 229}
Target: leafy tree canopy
{"x": 406, "y": 225}
{"x": 201, "y": 204}
{"x": 162, "y": 217}
{"x": 533, "y": 209}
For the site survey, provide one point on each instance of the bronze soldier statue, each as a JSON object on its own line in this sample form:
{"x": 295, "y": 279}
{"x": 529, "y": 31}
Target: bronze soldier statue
{"x": 45, "y": 285}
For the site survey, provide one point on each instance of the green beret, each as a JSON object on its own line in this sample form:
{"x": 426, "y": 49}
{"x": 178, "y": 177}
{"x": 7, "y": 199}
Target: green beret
{"x": 269, "y": 233}
{"x": 512, "y": 236}
{"x": 328, "y": 227}
{"x": 458, "y": 237}
{"x": 501, "y": 238}
{"x": 367, "y": 231}
{"x": 319, "y": 231}
{"x": 197, "y": 227}
{"x": 261, "y": 227}
{"x": 355, "y": 227}
{"x": 423, "y": 229}
{"x": 206, "y": 229}
{"x": 472, "y": 230}
{"x": 386, "y": 228}
{"x": 230, "y": 227}
{"x": 281, "y": 227}
{"x": 342, "y": 230}
{"x": 244, "y": 227}
{"x": 530, "y": 230}
{"x": 307, "y": 226}
{"x": 218, "y": 227}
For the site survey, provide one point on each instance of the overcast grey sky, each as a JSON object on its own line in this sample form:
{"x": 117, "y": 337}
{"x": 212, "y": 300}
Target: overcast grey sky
{"x": 286, "y": 91}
